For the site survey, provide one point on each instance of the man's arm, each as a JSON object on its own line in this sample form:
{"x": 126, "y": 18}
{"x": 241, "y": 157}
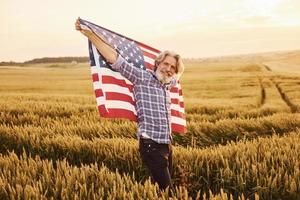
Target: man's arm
{"x": 109, "y": 53}
{"x": 133, "y": 74}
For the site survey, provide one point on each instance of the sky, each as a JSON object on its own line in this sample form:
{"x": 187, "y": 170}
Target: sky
{"x": 194, "y": 28}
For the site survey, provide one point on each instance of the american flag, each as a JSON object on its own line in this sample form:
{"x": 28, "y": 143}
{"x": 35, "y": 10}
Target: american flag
{"x": 114, "y": 92}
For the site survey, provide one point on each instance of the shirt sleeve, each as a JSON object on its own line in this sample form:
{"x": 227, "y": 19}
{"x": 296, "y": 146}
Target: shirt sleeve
{"x": 134, "y": 74}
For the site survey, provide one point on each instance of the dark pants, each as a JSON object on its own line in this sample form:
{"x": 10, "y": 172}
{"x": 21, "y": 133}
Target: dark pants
{"x": 158, "y": 159}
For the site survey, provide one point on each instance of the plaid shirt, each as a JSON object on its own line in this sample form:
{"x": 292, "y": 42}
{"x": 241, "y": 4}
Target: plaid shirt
{"x": 152, "y": 101}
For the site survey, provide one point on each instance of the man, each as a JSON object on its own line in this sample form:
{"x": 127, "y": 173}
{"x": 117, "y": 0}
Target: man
{"x": 150, "y": 90}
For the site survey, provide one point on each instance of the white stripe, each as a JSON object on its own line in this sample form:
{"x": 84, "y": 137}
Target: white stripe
{"x": 107, "y": 72}
{"x": 112, "y": 88}
{"x": 174, "y": 95}
{"x": 148, "y": 51}
{"x": 149, "y": 60}
{"x": 98, "y": 84}
{"x": 117, "y": 88}
{"x": 96, "y": 55}
{"x": 177, "y": 120}
{"x": 181, "y": 113}
{"x": 100, "y": 101}
{"x": 95, "y": 70}
{"x": 177, "y": 107}
{"x": 117, "y": 104}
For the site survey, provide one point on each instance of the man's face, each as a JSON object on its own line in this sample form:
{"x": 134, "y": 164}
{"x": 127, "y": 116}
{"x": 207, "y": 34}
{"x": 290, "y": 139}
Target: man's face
{"x": 166, "y": 69}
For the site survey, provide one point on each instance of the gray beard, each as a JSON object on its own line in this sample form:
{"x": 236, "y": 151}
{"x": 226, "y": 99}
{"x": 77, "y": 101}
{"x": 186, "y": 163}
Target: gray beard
{"x": 162, "y": 78}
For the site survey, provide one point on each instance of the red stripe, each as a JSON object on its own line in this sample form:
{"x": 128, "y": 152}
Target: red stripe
{"x": 102, "y": 110}
{"x": 119, "y": 82}
{"x": 180, "y": 92}
{"x": 95, "y": 77}
{"x": 119, "y": 96}
{"x": 177, "y": 102}
{"x": 121, "y": 113}
{"x": 147, "y": 47}
{"x": 181, "y": 104}
{"x": 98, "y": 93}
{"x": 174, "y": 89}
{"x": 177, "y": 113}
{"x": 149, "y": 66}
{"x": 177, "y": 128}
{"x": 174, "y": 101}
{"x": 150, "y": 55}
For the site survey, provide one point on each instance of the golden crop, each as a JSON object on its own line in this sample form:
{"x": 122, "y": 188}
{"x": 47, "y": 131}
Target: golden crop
{"x": 243, "y": 139}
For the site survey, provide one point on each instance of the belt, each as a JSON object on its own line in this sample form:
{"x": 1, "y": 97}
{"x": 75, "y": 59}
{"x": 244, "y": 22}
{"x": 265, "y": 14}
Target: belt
{"x": 147, "y": 141}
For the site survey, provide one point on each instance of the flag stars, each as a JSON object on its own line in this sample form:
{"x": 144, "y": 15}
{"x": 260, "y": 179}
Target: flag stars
{"x": 126, "y": 48}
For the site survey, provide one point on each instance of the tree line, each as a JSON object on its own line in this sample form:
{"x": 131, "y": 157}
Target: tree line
{"x": 47, "y": 60}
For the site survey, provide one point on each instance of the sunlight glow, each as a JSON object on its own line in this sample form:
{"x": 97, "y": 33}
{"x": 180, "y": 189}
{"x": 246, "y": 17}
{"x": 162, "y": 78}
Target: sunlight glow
{"x": 194, "y": 28}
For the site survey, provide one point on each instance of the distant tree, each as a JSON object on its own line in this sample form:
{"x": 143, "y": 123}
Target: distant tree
{"x": 58, "y": 60}
{"x": 73, "y": 60}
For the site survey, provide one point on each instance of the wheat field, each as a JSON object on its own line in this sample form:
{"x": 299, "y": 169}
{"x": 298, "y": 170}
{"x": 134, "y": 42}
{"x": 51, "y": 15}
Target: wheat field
{"x": 243, "y": 140}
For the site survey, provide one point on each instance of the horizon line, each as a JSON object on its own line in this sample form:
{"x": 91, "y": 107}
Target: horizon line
{"x": 206, "y": 57}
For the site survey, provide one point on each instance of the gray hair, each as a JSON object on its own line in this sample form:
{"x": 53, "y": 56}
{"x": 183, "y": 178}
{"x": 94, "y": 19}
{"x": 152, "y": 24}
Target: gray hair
{"x": 179, "y": 64}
